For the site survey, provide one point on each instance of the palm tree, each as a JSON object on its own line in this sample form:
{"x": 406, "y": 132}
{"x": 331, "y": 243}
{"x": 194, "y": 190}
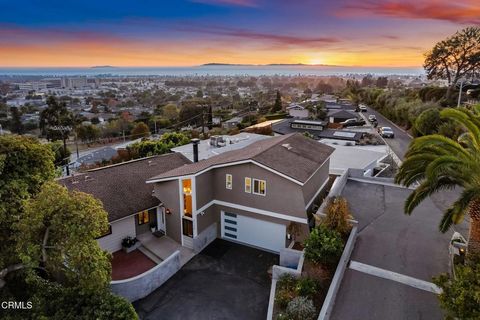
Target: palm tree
{"x": 437, "y": 163}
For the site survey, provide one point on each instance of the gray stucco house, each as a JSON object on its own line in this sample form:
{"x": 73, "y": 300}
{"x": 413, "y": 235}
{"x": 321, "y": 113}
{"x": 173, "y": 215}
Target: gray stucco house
{"x": 128, "y": 200}
{"x": 250, "y": 195}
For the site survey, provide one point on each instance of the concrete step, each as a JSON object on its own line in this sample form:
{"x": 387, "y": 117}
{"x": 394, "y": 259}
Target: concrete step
{"x": 150, "y": 254}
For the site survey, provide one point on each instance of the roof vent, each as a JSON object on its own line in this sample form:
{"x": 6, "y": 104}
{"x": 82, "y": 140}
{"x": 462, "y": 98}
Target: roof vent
{"x": 88, "y": 178}
{"x": 151, "y": 163}
{"x": 287, "y": 146}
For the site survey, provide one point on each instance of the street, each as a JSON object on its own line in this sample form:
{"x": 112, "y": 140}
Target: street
{"x": 400, "y": 143}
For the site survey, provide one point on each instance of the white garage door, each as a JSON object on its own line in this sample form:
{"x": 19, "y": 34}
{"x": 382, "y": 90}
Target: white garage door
{"x": 258, "y": 233}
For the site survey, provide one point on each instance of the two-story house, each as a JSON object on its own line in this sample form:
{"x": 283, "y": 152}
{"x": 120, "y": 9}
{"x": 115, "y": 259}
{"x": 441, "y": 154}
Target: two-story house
{"x": 250, "y": 195}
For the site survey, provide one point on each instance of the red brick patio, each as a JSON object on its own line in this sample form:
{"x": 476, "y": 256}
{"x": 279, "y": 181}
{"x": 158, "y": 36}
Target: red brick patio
{"x": 127, "y": 265}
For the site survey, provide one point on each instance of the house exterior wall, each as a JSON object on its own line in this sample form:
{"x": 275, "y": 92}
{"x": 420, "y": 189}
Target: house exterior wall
{"x": 120, "y": 229}
{"x": 168, "y": 193}
{"x": 316, "y": 181}
{"x": 276, "y": 189}
{"x": 204, "y": 190}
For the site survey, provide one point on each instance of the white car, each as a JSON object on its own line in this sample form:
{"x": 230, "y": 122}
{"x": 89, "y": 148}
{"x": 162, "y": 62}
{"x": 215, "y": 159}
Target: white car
{"x": 386, "y": 132}
{"x": 363, "y": 109}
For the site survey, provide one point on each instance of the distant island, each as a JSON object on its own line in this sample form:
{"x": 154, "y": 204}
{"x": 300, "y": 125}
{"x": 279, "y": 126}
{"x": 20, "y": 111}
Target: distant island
{"x": 102, "y": 67}
{"x": 265, "y": 65}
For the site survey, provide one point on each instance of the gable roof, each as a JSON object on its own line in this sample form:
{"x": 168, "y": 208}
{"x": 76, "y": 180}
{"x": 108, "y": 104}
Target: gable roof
{"x": 342, "y": 114}
{"x": 121, "y": 187}
{"x": 292, "y": 155}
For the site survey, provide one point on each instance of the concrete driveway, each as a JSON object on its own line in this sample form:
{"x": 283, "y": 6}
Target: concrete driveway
{"x": 394, "y": 256}
{"x": 225, "y": 281}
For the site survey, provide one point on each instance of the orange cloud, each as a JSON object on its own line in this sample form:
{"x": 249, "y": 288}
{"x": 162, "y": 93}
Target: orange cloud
{"x": 460, "y": 11}
{"x": 265, "y": 38}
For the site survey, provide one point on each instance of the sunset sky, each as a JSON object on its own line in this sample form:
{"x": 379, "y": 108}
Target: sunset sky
{"x": 190, "y": 32}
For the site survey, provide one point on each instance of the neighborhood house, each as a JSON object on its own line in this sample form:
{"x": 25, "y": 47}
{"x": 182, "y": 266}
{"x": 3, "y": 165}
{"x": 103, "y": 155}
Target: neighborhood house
{"x": 250, "y": 195}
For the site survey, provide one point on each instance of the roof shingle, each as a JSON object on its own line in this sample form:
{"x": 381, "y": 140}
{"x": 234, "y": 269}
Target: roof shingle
{"x": 293, "y": 155}
{"x": 122, "y": 188}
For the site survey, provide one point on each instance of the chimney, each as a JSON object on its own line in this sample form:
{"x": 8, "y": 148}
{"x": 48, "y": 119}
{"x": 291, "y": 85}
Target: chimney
{"x": 195, "y": 149}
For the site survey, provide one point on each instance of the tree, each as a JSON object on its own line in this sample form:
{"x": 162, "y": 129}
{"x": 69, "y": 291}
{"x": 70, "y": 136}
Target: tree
{"x": 57, "y": 233}
{"x": 382, "y": 82}
{"x": 170, "y": 111}
{"x": 56, "y": 114}
{"x": 437, "y": 162}
{"x": 140, "y": 130}
{"x": 59, "y": 152}
{"x": 191, "y": 115}
{"x": 460, "y": 296}
{"x": 16, "y": 123}
{"x": 277, "y": 106}
{"x": 156, "y": 147}
{"x": 88, "y": 133}
{"x": 455, "y": 57}
{"x": 338, "y": 215}
{"x": 25, "y": 165}
{"x": 428, "y": 122}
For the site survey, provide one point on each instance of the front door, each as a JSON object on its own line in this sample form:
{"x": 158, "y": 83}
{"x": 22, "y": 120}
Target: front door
{"x": 161, "y": 219}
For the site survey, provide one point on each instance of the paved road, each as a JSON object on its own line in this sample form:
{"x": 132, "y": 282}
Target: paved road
{"x": 399, "y": 144}
{"x": 390, "y": 240}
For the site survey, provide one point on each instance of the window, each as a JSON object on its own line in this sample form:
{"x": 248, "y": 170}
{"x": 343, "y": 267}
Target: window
{"x": 187, "y": 227}
{"x": 143, "y": 217}
{"x": 248, "y": 185}
{"x": 259, "y": 187}
{"x": 187, "y": 197}
{"x": 108, "y": 232}
{"x": 228, "y": 181}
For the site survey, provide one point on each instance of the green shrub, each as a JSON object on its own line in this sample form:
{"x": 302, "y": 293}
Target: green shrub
{"x": 307, "y": 287}
{"x": 461, "y": 295}
{"x": 323, "y": 246}
{"x": 301, "y": 308}
{"x": 284, "y": 296}
{"x": 286, "y": 281}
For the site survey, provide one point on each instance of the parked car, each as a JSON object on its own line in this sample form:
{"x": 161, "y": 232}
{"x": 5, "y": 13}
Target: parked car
{"x": 386, "y": 132}
{"x": 372, "y": 118}
{"x": 353, "y": 122}
{"x": 363, "y": 108}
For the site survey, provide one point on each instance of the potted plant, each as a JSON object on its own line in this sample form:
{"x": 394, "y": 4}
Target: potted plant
{"x": 129, "y": 244}
{"x": 153, "y": 227}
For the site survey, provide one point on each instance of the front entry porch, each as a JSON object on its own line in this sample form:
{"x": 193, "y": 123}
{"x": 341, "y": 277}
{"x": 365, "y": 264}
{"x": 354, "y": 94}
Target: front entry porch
{"x": 164, "y": 246}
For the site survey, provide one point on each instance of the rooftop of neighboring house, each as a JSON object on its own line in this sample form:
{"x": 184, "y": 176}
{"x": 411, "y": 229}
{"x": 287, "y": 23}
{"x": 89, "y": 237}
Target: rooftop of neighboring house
{"x": 340, "y": 135}
{"x": 121, "y": 187}
{"x": 293, "y": 155}
{"x": 345, "y": 157}
{"x": 285, "y": 127}
{"x": 343, "y": 114}
{"x": 220, "y": 144}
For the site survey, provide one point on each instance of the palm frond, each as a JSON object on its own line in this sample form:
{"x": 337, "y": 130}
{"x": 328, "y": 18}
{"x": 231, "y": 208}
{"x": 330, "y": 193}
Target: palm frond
{"x": 456, "y": 212}
{"x": 466, "y": 119}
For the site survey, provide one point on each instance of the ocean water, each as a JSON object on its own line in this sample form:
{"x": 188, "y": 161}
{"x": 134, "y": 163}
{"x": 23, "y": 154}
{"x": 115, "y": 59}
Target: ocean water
{"x": 211, "y": 71}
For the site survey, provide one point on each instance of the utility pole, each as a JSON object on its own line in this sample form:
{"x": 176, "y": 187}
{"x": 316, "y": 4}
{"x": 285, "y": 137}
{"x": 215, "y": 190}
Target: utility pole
{"x": 460, "y": 94}
{"x": 203, "y": 122}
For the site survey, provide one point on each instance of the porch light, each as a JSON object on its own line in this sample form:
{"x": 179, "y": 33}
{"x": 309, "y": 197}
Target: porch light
{"x": 167, "y": 211}
{"x": 187, "y": 190}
